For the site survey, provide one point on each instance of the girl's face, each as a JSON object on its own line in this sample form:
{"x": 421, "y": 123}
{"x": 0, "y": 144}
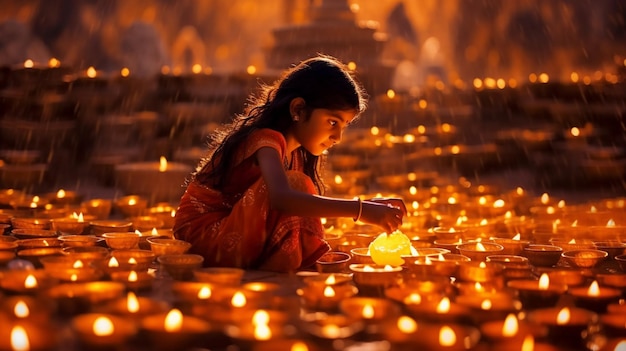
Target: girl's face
{"x": 322, "y": 129}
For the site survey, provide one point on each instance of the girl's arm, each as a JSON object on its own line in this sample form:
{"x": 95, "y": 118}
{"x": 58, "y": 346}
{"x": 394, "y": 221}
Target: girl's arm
{"x": 385, "y": 213}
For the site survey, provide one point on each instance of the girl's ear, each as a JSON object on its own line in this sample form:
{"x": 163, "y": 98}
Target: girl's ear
{"x": 296, "y": 108}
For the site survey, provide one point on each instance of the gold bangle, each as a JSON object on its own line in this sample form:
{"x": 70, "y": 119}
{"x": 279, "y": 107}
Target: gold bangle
{"x": 358, "y": 216}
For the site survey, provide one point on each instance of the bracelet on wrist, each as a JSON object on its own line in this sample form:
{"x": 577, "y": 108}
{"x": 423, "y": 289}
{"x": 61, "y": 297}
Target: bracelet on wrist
{"x": 358, "y": 216}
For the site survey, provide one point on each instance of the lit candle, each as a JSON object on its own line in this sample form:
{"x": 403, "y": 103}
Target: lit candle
{"x": 538, "y": 293}
{"x": 564, "y": 324}
{"x": 97, "y": 330}
{"x": 174, "y": 330}
{"x": 594, "y": 297}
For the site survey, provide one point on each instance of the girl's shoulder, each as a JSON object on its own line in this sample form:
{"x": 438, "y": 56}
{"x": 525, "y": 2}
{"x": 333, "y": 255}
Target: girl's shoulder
{"x": 267, "y": 137}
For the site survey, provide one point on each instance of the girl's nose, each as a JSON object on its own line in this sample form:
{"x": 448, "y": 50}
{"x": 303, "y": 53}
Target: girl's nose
{"x": 336, "y": 137}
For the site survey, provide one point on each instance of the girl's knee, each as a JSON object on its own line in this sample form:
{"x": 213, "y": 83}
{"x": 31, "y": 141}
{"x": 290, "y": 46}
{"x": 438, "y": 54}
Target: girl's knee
{"x": 300, "y": 181}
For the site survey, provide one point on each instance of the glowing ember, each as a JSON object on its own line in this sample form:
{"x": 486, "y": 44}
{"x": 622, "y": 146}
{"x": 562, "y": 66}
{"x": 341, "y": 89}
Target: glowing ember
{"x": 21, "y": 309}
{"x": 19, "y": 339}
{"x": 173, "y": 321}
{"x": 162, "y": 164}
{"x": 443, "y": 306}
{"x": 447, "y": 337}
{"x": 204, "y": 293}
{"x": 30, "y": 282}
{"x": 132, "y": 303}
{"x": 103, "y": 326}
{"x": 510, "y": 326}
{"x": 594, "y": 289}
{"x": 368, "y": 311}
{"x": 544, "y": 282}
{"x": 329, "y": 291}
{"x": 238, "y": 300}
{"x": 113, "y": 263}
{"x": 486, "y": 305}
{"x": 407, "y": 325}
{"x": 563, "y": 316}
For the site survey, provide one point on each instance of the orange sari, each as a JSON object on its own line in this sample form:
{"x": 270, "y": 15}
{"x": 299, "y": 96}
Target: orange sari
{"x": 237, "y": 228}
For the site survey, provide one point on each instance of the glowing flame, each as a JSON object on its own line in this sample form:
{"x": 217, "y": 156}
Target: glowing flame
{"x": 262, "y": 332}
{"x": 561, "y": 204}
{"x": 486, "y": 305}
{"x": 407, "y": 325}
{"x": 572, "y": 242}
{"x": 368, "y": 311}
{"x": 517, "y": 236}
{"x": 204, "y": 293}
{"x": 30, "y": 282}
{"x": 329, "y": 291}
{"x": 60, "y": 194}
{"x": 132, "y": 303}
{"x": 260, "y": 317}
{"x": 545, "y": 198}
{"x": 91, "y": 72}
{"x": 391, "y": 94}
{"x": 444, "y": 305}
{"x": 162, "y": 164}
{"x": 299, "y": 346}
{"x": 610, "y": 223}
{"x": 113, "y": 263}
{"x": 73, "y": 277}
{"x": 132, "y": 260}
{"x": 132, "y": 276}
{"x": 478, "y": 287}
{"x": 510, "y": 326}
{"x": 21, "y": 309}
{"x": 482, "y": 265}
{"x": 413, "y": 298}
{"x": 29, "y": 63}
{"x": 173, "y": 321}
{"x": 251, "y": 69}
{"x": 482, "y": 200}
{"x": 480, "y": 247}
{"x": 374, "y": 130}
{"x": 331, "y": 280}
{"x": 154, "y": 232}
{"x": 594, "y": 289}
{"x": 103, "y": 326}
{"x": 132, "y": 201}
{"x": 544, "y": 282}
{"x": 19, "y": 339}
{"x": 238, "y": 300}
{"x": 447, "y": 337}
{"x": 575, "y": 131}
{"x": 78, "y": 264}
{"x": 331, "y": 331}
{"x": 54, "y": 62}
{"x": 81, "y": 218}
{"x": 563, "y": 316}
{"x": 529, "y": 343}
{"x": 125, "y": 72}
{"x": 498, "y": 203}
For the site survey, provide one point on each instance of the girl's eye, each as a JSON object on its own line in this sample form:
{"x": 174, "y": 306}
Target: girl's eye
{"x": 332, "y": 122}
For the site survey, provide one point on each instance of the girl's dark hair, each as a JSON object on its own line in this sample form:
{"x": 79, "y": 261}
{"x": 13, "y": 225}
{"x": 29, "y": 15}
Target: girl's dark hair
{"x": 322, "y": 81}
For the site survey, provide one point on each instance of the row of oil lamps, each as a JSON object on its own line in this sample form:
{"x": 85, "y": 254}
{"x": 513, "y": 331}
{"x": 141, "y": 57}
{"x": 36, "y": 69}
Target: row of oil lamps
{"x": 459, "y": 289}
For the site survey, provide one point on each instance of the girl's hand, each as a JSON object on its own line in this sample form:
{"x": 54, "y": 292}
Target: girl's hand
{"x": 386, "y": 213}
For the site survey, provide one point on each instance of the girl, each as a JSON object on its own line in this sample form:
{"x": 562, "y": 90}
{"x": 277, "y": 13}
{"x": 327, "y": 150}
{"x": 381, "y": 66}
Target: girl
{"x": 255, "y": 201}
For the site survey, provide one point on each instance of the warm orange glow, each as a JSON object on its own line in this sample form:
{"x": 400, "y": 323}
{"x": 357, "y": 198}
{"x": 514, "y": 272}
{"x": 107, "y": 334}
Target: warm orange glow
{"x": 455, "y": 149}
{"x": 563, "y": 317}
{"x": 60, "y": 194}
{"x": 351, "y": 66}
{"x": 299, "y": 346}
{"x": 421, "y": 128}
{"x": 501, "y": 83}
{"x": 478, "y": 83}
{"x": 30, "y": 282}
{"x": 413, "y": 298}
{"x": 529, "y": 343}
{"x": 132, "y": 276}
{"x": 262, "y": 332}
{"x": 391, "y": 94}
{"x": 78, "y": 264}
{"x": 132, "y": 201}
{"x": 594, "y": 289}
{"x": 239, "y": 299}
{"x": 544, "y": 78}
{"x": 610, "y": 223}
{"x": 103, "y": 326}
{"x": 125, "y": 72}
{"x": 422, "y": 104}
{"x": 19, "y": 339}
{"x": 21, "y": 309}
{"x": 575, "y": 131}
{"x": 561, "y": 204}
{"x": 251, "y": 69}
{"x": 443, "y": 306}
{"x": 329, "y": 291}
{"x": 91, "y": 72}
{"x": 197, "y": 68}
{"x": 499, "y": 203}
{"x": 132, "y": 303}
{"x": 478, "y": 287}
{"x": 81, "y": 218}
{"x": 517, "y": 236}
{"x": 572, "y": 242}
{"x": 260, "y": 317}
{"x": 480, "y": 247}
{"x": 482, "y": 200}
{"x": 510, "y": 326}
{"x": 173, "y": 321}
{"x": 486, "y": 305}
{"x": 368, "y": 311}
{"x": 574, "y": 77}
{"x": 113, "y": 262}
{"x": 162, "y": 164}
{"x": 545, "y": 198}
{"x": 490, "y": 83}
{"x": 204, "y": 293}
{"x": 29, "y": 63}
{"x": 544, "y": 282}
{"x": 330, "y": 280}
{"x": 374, "y": 130}
{"x": 407, "y": 325}
{"x": 447, "y": 337}
{"x": 331, "y": 331}
{"x": 132, "y": 260}
{"x": 54, "y": 62}
{"x": 338, "y": 179}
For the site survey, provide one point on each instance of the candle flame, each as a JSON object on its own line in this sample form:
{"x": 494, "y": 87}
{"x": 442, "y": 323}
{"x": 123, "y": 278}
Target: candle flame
{"x": 563, "y": 316}
{"x": 19, "y": 339}
{"x": 519, "y": 191}
{"x": 21, "y": 309}
{"x": 103, "y": 326}
{"x": 571, "y": 242}
{"x": 262, "y": 332}
{"x": 499, "y": 203}
{"x": 30, "y": 282}
{"x": 545, "y": 198}
{"x": 391, "y": 94}
{"x": 529, "y": 343}
{"x": 413, "y": 298}
{"x": 486, "y": 304}
{"x": 331, "y": 280}
{"x": 154, "y": 232}
{"x": 407, "y": 325}
{"x": 482, "y": 265}
{"x": 510, "y": 326}
{"x": 368, "y": 268}
{"x": 91, "y": 72}
{"x": 544, "y": 282}
{"x": 54, "y": 62}
{"x": 132, "y": 303}
{"x": 132, "y": 276}
{"x": 260, "y": 317}
{"x": 480, "y": 247}
{"x": 29, "y": 63}
{"x": 610, "y": 223}
{"x": 238, "y": 300}
{"x": 125, "y": 72}
{"x": 331, "y": 331}
{"x": 132, "y": 260}
{"x": 575, "y": 223}
{"x": 517, "y": 236}
{"x": 329, "y": 291}
{"x": 73, "y": 277}
{"x": 78, "y": 264}
{"x": 162, "y": 164}
{"x": 368, "y": 311}
{"x": 444, "y": 305}
{"x": 478, "y": 287}
{"x": 482, "y": 200}
{"x": 299, "y": 346}
{"x": 484, "y": 221}
{"x": 60, "y": 194}
{"x": 173, "y": 321}
{"x": 204, "y": 293}
{"x": 561, "y": 204}
{"x": 338, "y": 179}
{"x": 132, "y": 201}
{"x": 594, "y": 289}
{"x": 447, "y": 337}
{"x": 113, "y": 263}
